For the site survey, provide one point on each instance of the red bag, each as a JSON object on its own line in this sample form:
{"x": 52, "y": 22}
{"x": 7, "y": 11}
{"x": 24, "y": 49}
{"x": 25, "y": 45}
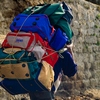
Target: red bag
{"x": 50, "y": 56}
{"x": 29, "y": 41}
{"x": 18, "y": 39}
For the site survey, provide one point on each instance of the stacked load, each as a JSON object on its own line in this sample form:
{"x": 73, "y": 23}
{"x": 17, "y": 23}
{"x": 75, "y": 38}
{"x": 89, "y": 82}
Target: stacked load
{"x": 34, "y": 47}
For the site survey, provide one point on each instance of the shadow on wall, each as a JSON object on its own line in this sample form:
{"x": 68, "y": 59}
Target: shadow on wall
{"x": 94, "y": 1}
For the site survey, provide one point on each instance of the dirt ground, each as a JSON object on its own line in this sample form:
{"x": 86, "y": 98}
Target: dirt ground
{"x": 91, "y": 94}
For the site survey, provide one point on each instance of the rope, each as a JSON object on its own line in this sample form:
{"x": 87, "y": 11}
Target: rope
{"x": 22, "y": 26}
{"x": 27, "y": 62}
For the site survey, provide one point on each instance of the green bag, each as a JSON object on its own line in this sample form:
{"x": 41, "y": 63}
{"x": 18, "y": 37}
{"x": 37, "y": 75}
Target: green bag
{"x": 66, "y": 28}
{"x": 55, "y": 12}
{"x": 17, "y": 64}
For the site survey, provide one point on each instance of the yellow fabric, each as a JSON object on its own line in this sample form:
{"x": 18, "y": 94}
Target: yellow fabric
{"x": 11, "y": 50}
{"x": 15, "y": 71}
{"x": 46, "y": 76}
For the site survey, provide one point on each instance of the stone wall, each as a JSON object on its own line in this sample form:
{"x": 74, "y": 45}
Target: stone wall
{"x": 86, "y": 28}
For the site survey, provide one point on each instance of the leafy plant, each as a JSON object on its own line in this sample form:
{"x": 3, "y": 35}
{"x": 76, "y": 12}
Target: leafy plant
{"x": 98, "y": 16}
{"x": 96, "y": 26}
{"x": 98, "y": 43}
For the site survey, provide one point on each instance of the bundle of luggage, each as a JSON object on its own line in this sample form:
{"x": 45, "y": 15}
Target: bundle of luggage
{"x": 34, "y": 47}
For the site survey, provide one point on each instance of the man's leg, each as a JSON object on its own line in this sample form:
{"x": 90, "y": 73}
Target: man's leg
{"x": 43, "y": 95}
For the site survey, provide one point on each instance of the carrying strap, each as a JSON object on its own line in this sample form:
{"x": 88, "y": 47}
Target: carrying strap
{"x": 39, "y": 9}
{"x": 21, "y": 27}
{"x": 52, "y": 8}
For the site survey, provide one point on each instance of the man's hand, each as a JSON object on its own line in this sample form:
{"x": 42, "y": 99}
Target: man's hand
{"x": 70, "y": 46}
{"x": 70, "y": 49}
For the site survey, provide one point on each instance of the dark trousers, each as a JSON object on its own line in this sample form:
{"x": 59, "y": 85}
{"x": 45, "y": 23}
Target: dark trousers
{"x": 43, "y": 95}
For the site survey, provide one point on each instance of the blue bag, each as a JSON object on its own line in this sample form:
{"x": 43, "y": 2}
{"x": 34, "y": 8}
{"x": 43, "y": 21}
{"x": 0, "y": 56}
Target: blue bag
{"x": 59, "y": 40}
{"x": 66, "y": 64}
{"x": 55, "y": 11}
{"x": 38, "y": 23}
{"x": 15, "y": 87}
{"x": 69, "y": 67}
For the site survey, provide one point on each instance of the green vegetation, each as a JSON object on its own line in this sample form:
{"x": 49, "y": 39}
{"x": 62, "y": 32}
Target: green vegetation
{"x": 98, "y": 16}
{"x": 93, "y": 34}
{"x": 98, "y": 43}
{"x": 86, "y": 45}
{"x": 96, "y": 26}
